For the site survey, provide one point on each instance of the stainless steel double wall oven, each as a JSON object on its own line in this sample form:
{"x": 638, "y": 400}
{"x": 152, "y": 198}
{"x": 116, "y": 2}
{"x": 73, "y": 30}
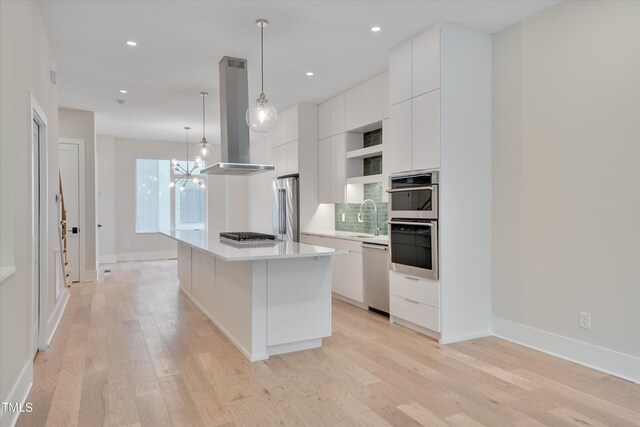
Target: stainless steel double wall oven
{"x": 413, "y": 223}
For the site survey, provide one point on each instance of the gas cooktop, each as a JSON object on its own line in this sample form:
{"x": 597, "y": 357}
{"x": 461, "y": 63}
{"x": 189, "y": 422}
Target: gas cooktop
{"x": 246, "y": 236}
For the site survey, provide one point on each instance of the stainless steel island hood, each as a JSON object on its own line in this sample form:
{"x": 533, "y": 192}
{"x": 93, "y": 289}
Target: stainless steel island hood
{"x": 234, "y": 131}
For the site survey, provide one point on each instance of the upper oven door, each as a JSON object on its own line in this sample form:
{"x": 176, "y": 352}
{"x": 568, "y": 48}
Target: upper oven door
{"x": 414, "y": 196}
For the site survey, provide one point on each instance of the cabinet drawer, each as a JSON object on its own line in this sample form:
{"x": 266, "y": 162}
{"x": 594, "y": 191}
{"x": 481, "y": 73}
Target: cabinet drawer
{"x": 423, "y": 291}
{"x": 414, "y": 312}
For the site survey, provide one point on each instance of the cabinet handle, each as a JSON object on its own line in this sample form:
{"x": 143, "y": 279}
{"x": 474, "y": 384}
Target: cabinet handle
{"x": 412, "y": 301}
{"x": 412, "y": 278}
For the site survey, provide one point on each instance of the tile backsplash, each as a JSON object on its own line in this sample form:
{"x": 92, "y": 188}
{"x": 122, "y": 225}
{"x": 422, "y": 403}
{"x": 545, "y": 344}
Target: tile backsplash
{"x": 350, "y": 210}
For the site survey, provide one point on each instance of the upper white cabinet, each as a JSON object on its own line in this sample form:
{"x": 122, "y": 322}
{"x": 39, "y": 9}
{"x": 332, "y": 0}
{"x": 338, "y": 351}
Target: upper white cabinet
{"x": 372, "y": 99}
{"x": 397, "y": 141}
{"x": 353, "y": 108}
{"x": 425, "y": 131}
{"x": 385, "y": 94}
{"x": 291, "y": 120}
{"x": 324, "y": 120}
{"x": 400, "y": 74}
{"x": 279, "y": 132}
{"x": 337, "y": 114}
{"x": 425, "y": 62}
{"x": 324, "y": 171}
{"x": 338, "y": 167}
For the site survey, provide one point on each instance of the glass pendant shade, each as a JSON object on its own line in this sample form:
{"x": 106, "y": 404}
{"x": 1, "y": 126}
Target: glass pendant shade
{"x": 203, "y": 153}
{"x": 261, "y": 116}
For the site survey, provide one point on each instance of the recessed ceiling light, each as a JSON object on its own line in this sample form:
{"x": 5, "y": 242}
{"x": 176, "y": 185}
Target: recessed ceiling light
{"x": 375, "y": 29}
{"x": 309, "y": 73}
{"x": 131, "y": 43}
{"x": 123, "y": 91}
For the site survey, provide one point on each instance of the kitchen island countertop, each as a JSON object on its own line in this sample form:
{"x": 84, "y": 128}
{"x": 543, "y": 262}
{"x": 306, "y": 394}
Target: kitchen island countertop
{"x": 209, "y": 241}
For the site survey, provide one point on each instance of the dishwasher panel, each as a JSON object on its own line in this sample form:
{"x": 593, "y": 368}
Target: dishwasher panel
{"x": 375, "y": 275}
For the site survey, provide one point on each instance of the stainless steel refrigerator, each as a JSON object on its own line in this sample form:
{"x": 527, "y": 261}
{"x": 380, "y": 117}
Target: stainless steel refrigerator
{"x": 286, "y": 209}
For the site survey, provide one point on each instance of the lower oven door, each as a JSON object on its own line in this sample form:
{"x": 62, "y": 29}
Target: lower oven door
{"x": 413, "y": 247}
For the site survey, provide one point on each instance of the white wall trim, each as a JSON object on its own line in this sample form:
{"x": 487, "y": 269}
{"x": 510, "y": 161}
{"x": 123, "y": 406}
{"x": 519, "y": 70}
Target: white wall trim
{"x": 89, "y": 276}
{"x": 108, "y": 259}
{"x": 18, "y": 394}
{"x": 56, "y": 316}
{"x": 592, "y": 356}
{"x": 147, "y": 256}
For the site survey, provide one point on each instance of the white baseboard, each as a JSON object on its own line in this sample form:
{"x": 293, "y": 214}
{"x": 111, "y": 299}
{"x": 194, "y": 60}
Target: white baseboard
{"x": 592, "y": 356}
{"x": 56, "y": 316}
{"x": 147, "y": 256}
{"x": 466, "y": 337}
{"x": 18, "y": 394}
{"x": 108, "y": 259}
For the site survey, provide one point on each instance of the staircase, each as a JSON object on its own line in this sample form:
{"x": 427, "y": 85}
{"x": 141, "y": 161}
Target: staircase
{"x": 62, "y": 232}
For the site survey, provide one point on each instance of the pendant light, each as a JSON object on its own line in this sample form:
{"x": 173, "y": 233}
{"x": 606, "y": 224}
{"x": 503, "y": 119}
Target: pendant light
{"x": 203, "y": 151}
{"x": 184, "y": 174}
{"x": 261, "y": 116}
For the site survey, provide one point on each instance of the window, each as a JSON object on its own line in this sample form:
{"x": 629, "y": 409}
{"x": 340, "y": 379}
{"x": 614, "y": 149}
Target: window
{"x": 159, "y": 207}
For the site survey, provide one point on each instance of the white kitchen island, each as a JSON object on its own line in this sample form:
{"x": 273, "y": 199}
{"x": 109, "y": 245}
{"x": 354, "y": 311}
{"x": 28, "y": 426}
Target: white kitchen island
{"x": 267, "y": 299}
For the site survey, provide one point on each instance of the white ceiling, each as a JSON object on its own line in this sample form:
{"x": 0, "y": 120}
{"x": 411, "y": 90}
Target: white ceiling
{"x": 181, "y": 42}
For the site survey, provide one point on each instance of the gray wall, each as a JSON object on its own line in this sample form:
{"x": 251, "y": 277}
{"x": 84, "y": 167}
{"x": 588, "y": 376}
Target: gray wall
{"x": 566, "y": 150}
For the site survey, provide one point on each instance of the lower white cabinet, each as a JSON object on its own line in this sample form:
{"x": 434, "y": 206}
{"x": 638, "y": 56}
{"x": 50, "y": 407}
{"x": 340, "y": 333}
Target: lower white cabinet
{"x": 415, "y": 300}
{"x": 346, "y": 270}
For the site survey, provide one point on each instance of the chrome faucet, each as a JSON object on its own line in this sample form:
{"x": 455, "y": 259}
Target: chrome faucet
{"x": 375, "y": 209}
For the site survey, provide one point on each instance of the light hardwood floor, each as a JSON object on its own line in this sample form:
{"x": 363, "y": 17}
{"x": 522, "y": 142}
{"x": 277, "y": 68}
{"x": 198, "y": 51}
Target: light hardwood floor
{"x": 131, "y": 350}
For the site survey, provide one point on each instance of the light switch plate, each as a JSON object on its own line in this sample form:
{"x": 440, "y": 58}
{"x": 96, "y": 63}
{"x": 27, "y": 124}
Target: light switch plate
{"x": 344, "y": 218}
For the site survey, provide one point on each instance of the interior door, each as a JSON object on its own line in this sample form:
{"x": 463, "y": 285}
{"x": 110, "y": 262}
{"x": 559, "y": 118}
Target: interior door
{"x": 70, "y": 173}
{"x": 35, "y": 234}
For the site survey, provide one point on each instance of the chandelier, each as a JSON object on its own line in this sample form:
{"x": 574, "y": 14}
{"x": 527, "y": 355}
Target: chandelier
{"x": 184, "y": 174}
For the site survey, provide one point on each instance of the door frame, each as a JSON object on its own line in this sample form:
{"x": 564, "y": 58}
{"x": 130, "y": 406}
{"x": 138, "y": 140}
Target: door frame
{"x": 38, "y": 290}
{"x": 83, "y": 274}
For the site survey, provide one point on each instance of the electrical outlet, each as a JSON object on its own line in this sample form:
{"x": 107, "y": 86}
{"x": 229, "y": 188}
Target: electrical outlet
{"x": 360, "y": 219}
{"x": 344, "y": 217}
{"x": 585, "y": 320}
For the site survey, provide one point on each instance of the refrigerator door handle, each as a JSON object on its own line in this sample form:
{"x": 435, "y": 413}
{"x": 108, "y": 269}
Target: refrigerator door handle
{"x": 283, "y": 208}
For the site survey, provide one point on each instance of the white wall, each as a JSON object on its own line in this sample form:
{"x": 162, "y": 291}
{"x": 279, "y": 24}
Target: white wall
{"x": 81, "y": 124}
{"x": 106, "y": 150}
{"x": 26, "y": 58}
{"x": 566, "y": 176}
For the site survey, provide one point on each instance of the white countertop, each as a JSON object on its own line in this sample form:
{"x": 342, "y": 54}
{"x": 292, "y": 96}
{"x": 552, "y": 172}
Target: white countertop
{"x": 349, "y": 235}
{"x": 209, "y": 241}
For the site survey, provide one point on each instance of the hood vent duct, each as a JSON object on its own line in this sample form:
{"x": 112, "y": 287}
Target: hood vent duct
{"x": 234, "y": 131}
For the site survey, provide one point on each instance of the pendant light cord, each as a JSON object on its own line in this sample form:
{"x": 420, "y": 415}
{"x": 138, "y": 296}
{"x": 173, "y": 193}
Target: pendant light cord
{"x": 203, "y": 122}
{"x": 262, "y": 58}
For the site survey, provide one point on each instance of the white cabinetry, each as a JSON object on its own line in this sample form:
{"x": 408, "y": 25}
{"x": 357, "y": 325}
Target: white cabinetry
{"x": 372, "y": 100}
{"x": 332, "y": 169}
{"x": 400, "y": 74}
{"x": 425, "y": 62}
{"x": 425, "y": 131}
{"x": 385, "y": 95}
{"x": 291, "y": 120}
{"x": 338, "y": 167}
{"x": 346, "y": 270}
{"x": 397, "y": 142}
{"x": 415, "y": 300}
{"x": 353, "y": 108}
{"x": 324, "y": 170}
{"x": 324, "y": 120}
{"x": 337, "y": 114}
{"x": 439, "y": 118}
